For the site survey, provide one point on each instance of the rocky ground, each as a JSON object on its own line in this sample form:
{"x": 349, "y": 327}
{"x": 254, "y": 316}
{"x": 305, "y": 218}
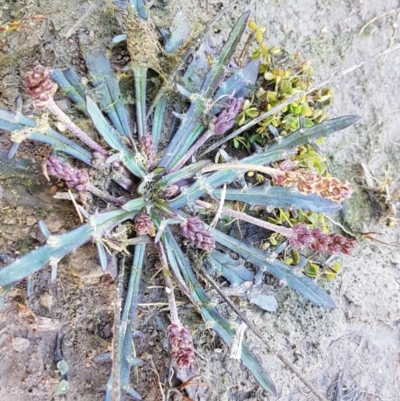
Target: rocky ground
{"x": 356, "y": 343}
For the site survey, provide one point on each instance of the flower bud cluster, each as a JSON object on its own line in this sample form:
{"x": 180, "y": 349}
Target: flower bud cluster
{"x": 171, "y": 191}
{"x": 193, "y": 228}
{"x": 143, "y": 224}
{"x": 226, "y": 119}
{"x": 74, "y": 178}
{"x": 149, "y": 150}
{"x": 40, "y": 86}
{"x": 316, "y": 240}
{"x": 308, "y": 182}
{"x": 181, "y": 343}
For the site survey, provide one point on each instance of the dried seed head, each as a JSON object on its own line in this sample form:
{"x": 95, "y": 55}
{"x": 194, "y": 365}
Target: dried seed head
{"x": 171, "y": 191}
{"x": 149, "y": 150}
{"x": 226, "y": 119}
{"x": 309, "y": 182}
{"x": 74, "y": 178}
{"x": 143, "y": 224}
{"x": 316, "y": 240}
{"x": 194, "y": 229}
{"x": 181, "y": 343}
{"x": 40, "y": 86}
{"x": 142, "y": 41}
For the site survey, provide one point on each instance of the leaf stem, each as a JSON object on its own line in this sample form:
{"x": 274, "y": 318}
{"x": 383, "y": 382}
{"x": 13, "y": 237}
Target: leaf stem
{"x": 57, "y": 112}
{"x": 169, "y": 288}
{"x": 287, "y": 232}
{"x": 200, "y": 142}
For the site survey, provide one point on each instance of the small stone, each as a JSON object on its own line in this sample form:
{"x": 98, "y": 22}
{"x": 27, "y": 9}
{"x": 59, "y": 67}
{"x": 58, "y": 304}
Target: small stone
{"x": 60, "y": 127}
{"x": 46, "y": 301}
{"x": 30, "y": 221}
{"x": 20, "y": 344}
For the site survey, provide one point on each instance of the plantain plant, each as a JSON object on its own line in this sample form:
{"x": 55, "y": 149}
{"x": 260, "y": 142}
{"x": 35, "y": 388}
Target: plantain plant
{"x": 167, "y": 193}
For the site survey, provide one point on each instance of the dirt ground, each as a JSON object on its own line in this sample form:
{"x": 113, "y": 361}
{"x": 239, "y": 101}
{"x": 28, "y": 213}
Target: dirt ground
{"x": 358, "y": 342}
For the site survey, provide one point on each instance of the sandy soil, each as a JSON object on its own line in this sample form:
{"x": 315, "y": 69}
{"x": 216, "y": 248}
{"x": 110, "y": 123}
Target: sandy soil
{"x": 358, "y": 342}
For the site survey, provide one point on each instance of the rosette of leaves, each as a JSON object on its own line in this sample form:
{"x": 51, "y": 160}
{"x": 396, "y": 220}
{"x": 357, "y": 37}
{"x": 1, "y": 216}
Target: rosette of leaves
{"x": 162, "y": 187}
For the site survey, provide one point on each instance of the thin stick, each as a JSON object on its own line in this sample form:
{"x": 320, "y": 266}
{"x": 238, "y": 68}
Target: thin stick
{"x": 104, "y": 195}
{"x": 169, "y": 288}
{"x": 242, "y": 166}
{"x": 297, "y": 96}
{"x": 220, "y": 207}
{"x": 287, "y": 232}
{"x": 71, "y": 196}
{"x": 258, "y": 333}
{"x": 80, "y": 20}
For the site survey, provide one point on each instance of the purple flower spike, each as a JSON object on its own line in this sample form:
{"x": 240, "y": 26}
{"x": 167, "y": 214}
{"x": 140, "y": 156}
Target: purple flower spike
{"x": 181, "y": 343}
{"x": 316, "y": 240}
{"x": 193, "y": 229}
{"x": 40, "y": 86}
{"x": 143, "y": 224}
{"x": 226, "y": 119}
{"x": 149, "y": 150}
{"x": 74, "y": 178}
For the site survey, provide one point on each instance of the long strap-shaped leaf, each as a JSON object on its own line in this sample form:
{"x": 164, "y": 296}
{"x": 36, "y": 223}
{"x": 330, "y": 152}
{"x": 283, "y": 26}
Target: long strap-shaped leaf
{"x": 58, "y": 246}
{"x": 122, "y": 360}
{"x": 281, "y": 197}
{"x": 111, "y": 136}
{"x": 16, "y": 121}
{"x": 308, "y": 135}
{"x": 300, "y": 283}
{"x": 197, "y": 107}
{"x": 219, "y": 324}
{"x": 68, "y": 82}
{"x": 206, "y": 185}
{"x": 110, "y": 100}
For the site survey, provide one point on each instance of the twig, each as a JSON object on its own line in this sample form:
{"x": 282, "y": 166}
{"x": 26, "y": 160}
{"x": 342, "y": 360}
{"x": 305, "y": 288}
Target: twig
{"x": 258, "y": 333}
{"x": 296, "y": 97}
{"x": 241, "y": 166}
{"x": 220, "y": 207}
{"x": 71, "y": 196}
{"x": 287, "y": 232}
{"x": 80, "y": 20}
{"x": 169, "y": 288}
{"x": 371, "y": 21}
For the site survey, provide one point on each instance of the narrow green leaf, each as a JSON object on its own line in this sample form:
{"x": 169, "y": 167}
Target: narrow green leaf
{"x": 219, "y": 324}
{"x": 110, "y": 100}
{"x": 300, "y": 283}
{"x": 304, "y": 136}
{"x": 58, "y": 246}
{"x": 281, "y": 197}
{"x": 189, "y": 122}
{"x": 113, "y": 139}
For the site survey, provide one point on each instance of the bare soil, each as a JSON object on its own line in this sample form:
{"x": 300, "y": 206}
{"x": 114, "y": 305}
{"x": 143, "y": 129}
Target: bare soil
{"x": 358, "y": 342}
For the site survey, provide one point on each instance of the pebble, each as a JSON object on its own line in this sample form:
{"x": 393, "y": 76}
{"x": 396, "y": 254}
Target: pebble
{"x": 20, "y": 344}
{"x": 30, "y": 221}
{"x": 46, "y": 301}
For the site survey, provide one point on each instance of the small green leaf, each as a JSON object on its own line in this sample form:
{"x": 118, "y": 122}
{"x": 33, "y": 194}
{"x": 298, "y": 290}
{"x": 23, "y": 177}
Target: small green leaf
{"x": 62, "y": 367}
{"x": 62, "y": 388}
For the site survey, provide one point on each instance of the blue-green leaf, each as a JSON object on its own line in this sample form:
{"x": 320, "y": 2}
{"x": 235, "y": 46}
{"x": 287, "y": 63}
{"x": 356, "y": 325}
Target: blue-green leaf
{"x": 280, "y": 197}
{"x": 233, "y": 270}
{"x": 304, "y": 136}
{"x": 300, "y": 283}
{"x": 103, "y": 79}
{"x": 219, "y": 324}
{"x": 58, "y": 246}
